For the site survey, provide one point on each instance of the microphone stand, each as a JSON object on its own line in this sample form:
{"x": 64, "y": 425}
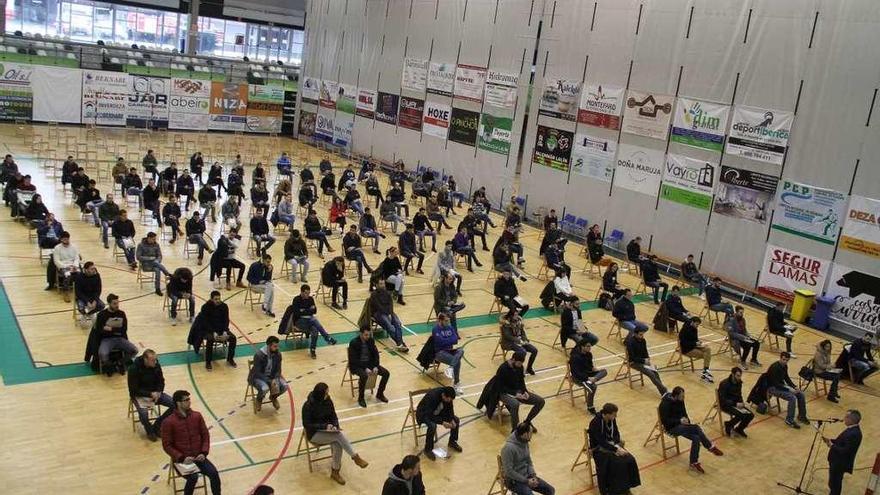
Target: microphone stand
{"x": 820, "y": 428}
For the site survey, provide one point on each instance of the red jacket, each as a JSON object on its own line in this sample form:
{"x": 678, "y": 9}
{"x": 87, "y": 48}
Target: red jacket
{"x": 185, "y": 436}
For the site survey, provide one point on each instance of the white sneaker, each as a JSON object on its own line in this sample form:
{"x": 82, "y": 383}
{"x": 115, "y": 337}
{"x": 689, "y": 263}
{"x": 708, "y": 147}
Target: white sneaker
{"x": 702, "y": 297}
{"x": 449, "y": 373}
{"x": 788, "y": 333}
{"x": 173, "y": 322}
{"x": 706, "y": 377}
{"x": 458, "y": 389}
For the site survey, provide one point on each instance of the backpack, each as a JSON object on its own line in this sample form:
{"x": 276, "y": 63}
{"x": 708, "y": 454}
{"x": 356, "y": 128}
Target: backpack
{"x": 605, "y": 301}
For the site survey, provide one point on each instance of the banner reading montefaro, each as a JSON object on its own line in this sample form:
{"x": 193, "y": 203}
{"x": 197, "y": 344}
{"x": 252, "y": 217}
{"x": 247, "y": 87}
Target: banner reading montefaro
{"x": 228, "y": 106}
{"x": 856, "y": 297}
{"x": 861, "y": 229}
{"x": 784, "y": 271}
{"x": 553, "y": 148}
{"x": 808, "y": 211}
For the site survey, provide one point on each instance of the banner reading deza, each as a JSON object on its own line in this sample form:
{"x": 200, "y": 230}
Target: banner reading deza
{"x": 560, "y": 99}
{"x": 147, "y": 104}
{"x": 16, "y": 93}
{"x": 759, "y": 134}
{"x": 647, "y": 114}
{"x": 688, "y": 182}
{"x": 552, "y": 148}
{"x": 228, "y": 107}
{"x": 601, "y": 106}
{"x": 808, "y": 211}
{"x": 501, "y": 89}
{"x": 700, "y": 124}
{"x": 856, "y": 297}
{"x": 265, "y": 108}
{"x": 103, "y": 97}
{"x": 495, "y": 133}
{"x": 745, "y": 194}
{"x": 784, "y": 271}
{"x": 639, "y": 169}
{"x": 366, "y": 103}
{"x": 189, "y": 104}
{"x": 436, "y": 119}
{"x": 861, "y": 229}
{"x": 593, "y": 157}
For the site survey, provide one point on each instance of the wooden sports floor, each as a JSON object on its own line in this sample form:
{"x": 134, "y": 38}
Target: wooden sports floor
{"x": 65, "y": 429}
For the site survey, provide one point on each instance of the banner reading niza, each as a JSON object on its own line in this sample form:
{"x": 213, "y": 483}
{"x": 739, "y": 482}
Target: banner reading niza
{"x": 228, "y": 106}
{"x": 861, "y": 229}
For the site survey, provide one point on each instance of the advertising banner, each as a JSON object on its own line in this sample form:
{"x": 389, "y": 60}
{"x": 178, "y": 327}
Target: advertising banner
{"x": 436, "y": 119}
{"x": 265, "y": 108}
{"x": 560, "y": 99}
{"x": 495, "y": 133}
{"x": 700, "y": 124}
{"x": 189, "y": 104}
{"x": 410, "y": 116}
{"x": 307, "y": 123}
{"x": 856, "y": 298}
{"x": 386, "y": 108}
{"x": 744, "y": 194}
{"x": 103, "y": 97}
{"x": 501, "y": 89}
{"x": 441, "y": 78}
{"x": 553, "y": 148}
{"x": 759, "y": 134}
{"x": 16, "y": 92}
{"x": 639, "y": 169}
{"x": 342, "y": 130}
{"x": 147, "y": 104}
{"x": 346, "y": 102}
{"x": 809, "y": 212}
{"x": 329, "y": 94}
{"x": 324, "y": 128}
{"x": 785, "y": 271}
{"x": 366, "y": 103}
{"x": 463, "y": 127}
{"x": 415, "y": 75}
{"x": 593, "y": 157}
{"x": 601, "y": 106}
{"x": 228, "y": 106}
{"x": 647, "y": 114}
{"x": 47, "y": 106}
{"x": 311, "y": 90}
{"x": 469, "y": 82}
{"x": 689, "y": 182}
{"x": 861, "y": 229}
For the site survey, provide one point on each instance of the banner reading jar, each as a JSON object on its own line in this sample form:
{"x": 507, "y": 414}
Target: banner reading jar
{"x": 415, "y": 74}
{"x": 436, "y": 119}
{"x": 856, "y": 296}
{"x": 501, "y": 89}
{"x": 147, "y": 104}
{"x": 784, "y": 271}
{"x": 228, "y": 106}
{"x": 552, "y": 148}
{"x": 809, "y": 212}
{"x": 593, "y": 157}
{"x": 560, "y": 99}
{"x": 688, "y": 182}
{"x": 469, "y": 82}
{"x": 601, "y": 106}
{"x": 441, "y": 78}
{"x": 189, "y": 104}
{"x": 639, "y": 169}
{"x": 463, "y": 127}
{"x": 386, "y": 108}
{"x": 647, "y": 114}
{"x": 366, "y": 103}
{"x": 311, "y": 90}
{"x": 700, "y": 124}
{"x": 495, "y": 133}
{"x": 745, "y": 194}
{"x": 861, "y": 229}
{"x": 759, "y": 134}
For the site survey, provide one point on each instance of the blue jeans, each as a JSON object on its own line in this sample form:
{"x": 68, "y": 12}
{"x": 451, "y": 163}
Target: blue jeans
{"x": 175, "y": 297}
{"x": 81, "y": 306}
{"x": 724, "y": 307}
{"x": 313, "y": 327}
{"x": 632, "y": 325}
{"x": 792, "y": 397}
{"x": 157, "y": 269}
{"x": 518, "y": 488}
{"x": 134, "y": 191}
{"x": 199, "y": 241}
{"x": 287, "y": 219}
{"x": 164, "y": 401}
{"x": 105, "y": 228}
{"x": 701, "y": 280}
{"x": 263, "y": 387}
{"x": 357, "y": 206}
{"x": 459, "y": 195}
{"x": 695, "y": 434}
{"x": 209, "y": 471}
{"x": 391, "y": 324}
{"x": 834, "y": 377}
{"x": 129, "y": 252}
{"x": 299, "y": 264}
{"x": 451, "y": 357}
{"x": 372, "y": 234}
{"x": 93, "y": 206}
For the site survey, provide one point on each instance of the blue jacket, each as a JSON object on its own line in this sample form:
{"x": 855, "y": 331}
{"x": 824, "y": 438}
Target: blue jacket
{"x": 444, "y": 337}
{"x": 258, "y": 273}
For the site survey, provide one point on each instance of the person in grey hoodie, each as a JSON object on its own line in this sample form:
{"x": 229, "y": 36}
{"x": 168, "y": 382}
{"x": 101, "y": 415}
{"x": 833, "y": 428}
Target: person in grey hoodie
{"x": 149, "y": 254}
{"x": 265, "y": 374}
{"x": 516, "y": 461}
{"x": 405, "y": 478}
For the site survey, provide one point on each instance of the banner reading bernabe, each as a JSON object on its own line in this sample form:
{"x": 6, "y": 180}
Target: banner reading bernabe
{"x": 469, "y": 82}
{"x": 784, "y": 271}
{"x": 414, "y": 75}
{"x": 688, "y": 182}
{"x": 410, "y": 115}
{"x": 759, "y": 134}
{"x": 103, "y": 97}
{"x": 366, "y": 103}
{"x": 700, "y": 124}
{"x": 601, "y": 106}
{"x": 745, "y": 194}
{"x": 553, "y": 148}
{"x": 495, "y": 133}
{"x": 639, "y": 169}
{"x": 501, "y": 89}
{"x": 810, "y": 212}
{"x": 560, "y": 98}
{"x": 189, "y": 104}
{"x": 647, "y": 114}
{"x": 436, "y": 119}
{"x": 861, "y": 229}
{"x": 441, "y": 78}
{"x": 593, "y": 157}
{"x": 856, "y": 296}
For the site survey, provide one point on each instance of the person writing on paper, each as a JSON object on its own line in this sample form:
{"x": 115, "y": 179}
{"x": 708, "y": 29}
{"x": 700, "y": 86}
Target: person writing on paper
{"x": 824, "y": 368}
{"x": 730, "y": 400}
{"x": 186, "y": 439}
{"x": 505, "y": 290}
{"x": 265, "y": 374}
{"x": 363, "y": 362}
{"x": 322, "y": 428}
{"x": 616, "y": 469}
{"x": 113, "y": 327}
{"x": 842, "y": 451}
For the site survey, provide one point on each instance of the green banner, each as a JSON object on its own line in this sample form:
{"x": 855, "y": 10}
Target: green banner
{"x": 494, "y": 133}
{"x": 685, "y": 197}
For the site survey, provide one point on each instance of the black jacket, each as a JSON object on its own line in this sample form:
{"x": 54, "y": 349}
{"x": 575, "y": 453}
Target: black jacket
{"x": 775, "y": 320}
{"x": 407, "y": 243}
{"x": 567, "y": 322}
{"x": 671, "y": 412}
{"x": 688, "y": 337}
{"x": 599, "y": 439}
{"x": 505, "y": 288}
{"x": 395, "y": 484}
{"x": 298, "y": 308}
{"x": 389, "y": 267}
{"x": 87, "y": 288}
{"x": 637, "y": 349}
{"x": 261, "y": 361}
{"x": 122, "y": 228}
{"x": 354, "y": 354}
{"x": 143, "y": 380}
{"x": 317, "y": 414}
{"x": 675, "y": 307}
{"x": 633, "y": 251}
{"x": 192, "y": 227}
{"x": 730, "y": 393}
{"x": 624, "y": 310}
{"x": 581, "y": 366}
{"x": 777, "y": 376}
{"x": 609, "y": 280}
{"x": 170, "y": 210}
{"x": 330, "y": 274}
{"x": 842, "y": 453}
{"x": 432, "y": 408}
{"x": 215, "y": 317}
{"x": 511, "y": 379}
{"x": 649, "y": 271}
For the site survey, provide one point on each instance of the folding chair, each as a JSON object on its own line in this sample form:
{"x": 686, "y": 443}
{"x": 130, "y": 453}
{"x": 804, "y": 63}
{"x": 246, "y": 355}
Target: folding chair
{"x": 250, "y": 393}
{"x": 352, "y": 381}
{"x": 410, "y": 421}
{"x": 715, "y": 413}
{"x": 587, "y": 454}
{"x": 313, "y": 452}
{"x": 568, "y": 381}
{"x": 680, "y": 360}
{"x": 174, "y": 477}
{"x": 498, "y": 481}
{"x": 660, "y": 433}
{"x": 625, "y": 371}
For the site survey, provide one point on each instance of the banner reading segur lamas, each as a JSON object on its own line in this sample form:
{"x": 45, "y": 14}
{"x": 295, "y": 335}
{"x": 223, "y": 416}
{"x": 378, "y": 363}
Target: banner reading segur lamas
{"x": 784, "y": 271}
{"x": 759, "y": 134}
{"x": 745, "y": 194}
{"x": 495, "y": 133}
{"x": 700, "y": 124}
{"x": 809, "y": 212}
{"x": 688, "y": 182}
{"x": 552, "y": 148}
{"x": 861, "y": 229}
{"x": 856, "y": 296}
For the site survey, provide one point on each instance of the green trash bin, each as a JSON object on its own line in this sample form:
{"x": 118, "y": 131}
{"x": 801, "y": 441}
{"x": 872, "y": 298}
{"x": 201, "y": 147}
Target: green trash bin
{"x": 803, "y": 302}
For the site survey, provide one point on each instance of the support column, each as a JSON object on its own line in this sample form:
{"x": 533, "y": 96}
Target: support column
{"x": 192, "y": 33}
{"x": 3, "y": 17}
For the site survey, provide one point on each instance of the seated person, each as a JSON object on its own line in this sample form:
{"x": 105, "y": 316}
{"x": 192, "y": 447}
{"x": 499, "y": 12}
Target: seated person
{"x": 373, "y": 189}
{"x": 596, "y": 252}
{"x": 381, "y": 307}
{"x": 284, "y": 166}
{"x": 328, "y": 184}
{"x": 462, "y": 244}
{"x": 675, "y": 308}
{"x": 609, "y": 282}
{"x": 347, "y": 178}
{"x": 260, "y": 232}
{"x": 550, "y": 220}
{"x": 212, "y": 325}
{"x": 325, "y": 165}
{"x": 108, "y": 212}
{"x": 562, "y": 287}
{"x": 297, "y": 254}
{"x": 36, "y": 211}
{"x": 259, "y": 276}
{"x": 186, "y": 439}
{"x": 333, "y": 276}
{"x": 691, "y": 273}
{"x": 149, "y": 163}
{"x": 690, "y": 345}
{"x": 571, "y": 324}
{"x": 391, "y": 272}
{"x": 433, "y": 204}
{"x": 651, "y": 277}
{"x": 337, "y": 214}
{"x": 777, "y": 326}
{"x": 714, "y": 300}
{"x": 224, "y": 257}
{"x": 367, "y": 225}
{"x": 502, "y": 260}
{"x": 445, "y": 337}
{"x": 584, "y": 372}
{"x": 407, "y": 244}
{"x": 861, "y": 359}
{"x": 422, "y": 227}
{"x": 146, "y": 383}
{"x": 514, "y": 338}
{"x": 230, "y": 212}
{"x": 436, "y": 409}
{"x": 403, "y": 479}
{"x": 505, "y": 290}
{"x": 316, "y": 232}
{"x": 352, "y": 245}
{"x": 87, "y": 292}
{"x": 186, "y": 187}
{"x": 639, "y": 359}
{"x": 446, "y": 264}
{"x": 132, "y": 185}
{"x": 779, "y": 384}
{"x": 306, "y": 196}
{"x": 675, "y": 420}
{"x": 554, "y": 257}
{"x": 454, "y": 193}
{"x": 168, "y": 178}
{"x": 388, "y": 213}
{"x": 63, "y": 265}
{"x": 730, "y": 399}
{"x": 171, "y": 216}
{"x": 123, "y": 231}
{"x": 740, "y": 339}
{"x": 518, "y": 469}
{"x": 195, "y": 234}
{"x": 471, "y": 223}
{"x": 511, "y": 385}
{"x": 259, "y": 195}
{"x": 616, "y": 468}
{"x": 553, "y": 236}
{"x": 363, "y": 360}
{"x": 265, "y": 374}
{"x": 301, "y": 315}
{"x": 49, "y": 233}
{"x": 823, "y": 367}
{"x": 634, "y": 251}
{"x": 446, "y": 298}
{"x": 353, "y": 200}
{"x": 180, "y": 287}
{"x": 321, "y": 427}
{"x": 152, "y": 202}
{"x": 109, "y": 333}
{"x": 149, "y": 254}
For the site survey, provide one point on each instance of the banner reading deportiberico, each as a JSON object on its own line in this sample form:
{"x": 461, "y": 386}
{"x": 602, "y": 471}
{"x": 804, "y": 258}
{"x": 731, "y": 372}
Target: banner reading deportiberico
{"x": 861, "y": 229}
{"x": 759, "y": 134}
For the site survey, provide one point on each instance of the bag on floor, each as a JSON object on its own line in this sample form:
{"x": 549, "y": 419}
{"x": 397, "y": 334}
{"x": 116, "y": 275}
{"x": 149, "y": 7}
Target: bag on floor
{"x": 605, "y": 301}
